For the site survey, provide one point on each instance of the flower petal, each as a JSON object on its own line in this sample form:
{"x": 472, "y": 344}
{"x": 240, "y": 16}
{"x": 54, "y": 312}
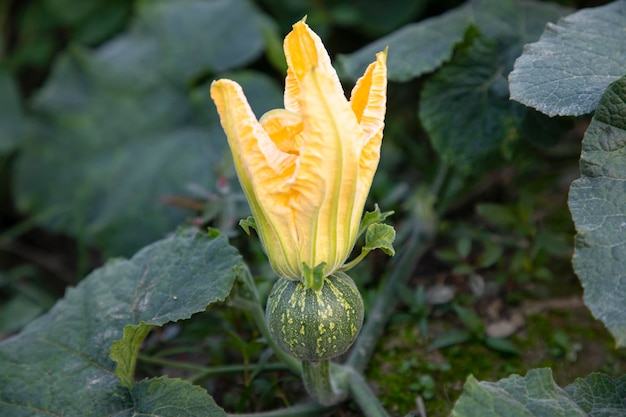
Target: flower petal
{"x": 326, "y": 179}
{"x": 284, "y": 129}
{"x": 368, "y": 100}
{"x": 264, "y": 172}
{"x": 304, "y": 52}
{"x": 369, "y": 97}
{"x": 253, "y": 150}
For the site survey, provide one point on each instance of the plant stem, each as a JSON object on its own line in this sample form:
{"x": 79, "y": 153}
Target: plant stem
{"x": 355, "y": 261}
{"x": 211, "y": 370}
{"x": 363, "y": 395}
{"x": 300, "y": 410}
{"x": 317, "y": 380}
{"x": 256, "y": 309}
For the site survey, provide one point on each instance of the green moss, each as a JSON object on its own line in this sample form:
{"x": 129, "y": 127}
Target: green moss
{"x": 403, "y": 369}
{"x": 596, "y": 348}
{"x": 569, "y": 341}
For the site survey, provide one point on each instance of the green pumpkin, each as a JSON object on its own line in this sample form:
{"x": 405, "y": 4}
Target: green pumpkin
{"x": 315, "y": 325}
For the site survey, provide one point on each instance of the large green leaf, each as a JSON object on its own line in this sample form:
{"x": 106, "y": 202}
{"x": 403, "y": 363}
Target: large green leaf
{"x": 88, "y": 21}
{"x": 117, "y": 130}
{"x": 474, "y": 119}
{"x": 534, "y": 395}
{"x": 414, "y": 49}
{"x": 598, "y": 204}
{"x": 599, "y": 395}
{"x": 195, "y": 35}
{"x": 422, "y": 47}
{"x": 568, "y": 69}
{"x": 59, "y": 364}
{"x": 164, "y": 397}
{"x": 537, "y": 395}
{"x": 465, "y": 106}
{"x": 376, "y": 16}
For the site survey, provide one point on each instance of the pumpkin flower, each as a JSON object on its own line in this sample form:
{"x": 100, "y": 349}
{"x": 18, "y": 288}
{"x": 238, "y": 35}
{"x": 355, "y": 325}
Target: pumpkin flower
{"x": 306, "y": 170}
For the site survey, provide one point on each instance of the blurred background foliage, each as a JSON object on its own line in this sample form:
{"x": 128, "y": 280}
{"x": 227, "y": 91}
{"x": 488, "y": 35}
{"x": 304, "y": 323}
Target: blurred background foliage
{"x": 109, "y": 141}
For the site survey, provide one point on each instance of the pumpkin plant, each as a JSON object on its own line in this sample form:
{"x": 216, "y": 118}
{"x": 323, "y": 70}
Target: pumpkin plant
{"x": 109, "y": 119}
{"x": 306, "y": 171}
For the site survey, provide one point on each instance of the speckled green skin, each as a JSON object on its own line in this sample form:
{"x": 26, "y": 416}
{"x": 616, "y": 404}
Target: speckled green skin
{"x": 315, "y": 325}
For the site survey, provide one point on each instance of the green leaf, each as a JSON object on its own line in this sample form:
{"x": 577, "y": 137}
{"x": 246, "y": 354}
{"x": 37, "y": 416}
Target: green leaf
{"x": 89, "y": 21}
{"x": 464, "y": 246}
{"x": 377, "y": 17}
{"x": 463, "y": 269}
{"x": 534, "y": 395}
{"x": 471, "y": 320}
{"x": 499, "y": 215}
{"x": 422, "y": 47}
{"x": 125, "y": 351}
{"x": 502, "y": 345}
{"x": 414, "y": 49}
{"x": 465, "y": 106}
{"x": 34, "y": 31}
{"x": 165, "y": 397}
{"x": 597, "y": 202}
{"x": 117, "y": 131}
{"x": 448, "y": 255}
{"x": 574, "y": 61}
{"x": 537, "y": 395}
{"x": 212, "y": 232}
{"x": 247, "y": 224}
{"x": 373, "y": 217}
{"x": 491, "y": 254}
{"x": 196, "y": 35}
{"x": 109, "y": 18}
{"x": 72, "y": 11}
{"x": 380, "y": 236}
{"x": 377, "y": 236}
{"x": 599, "y": 395}
{"x": 450, "y": 338}
{"x": 60, "y": 365}
{"x": 514, "y": 23}
{"x": 11, "y": 117}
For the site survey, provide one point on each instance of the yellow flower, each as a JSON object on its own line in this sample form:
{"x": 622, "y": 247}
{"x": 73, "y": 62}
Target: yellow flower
{"x": 306, "y": 169}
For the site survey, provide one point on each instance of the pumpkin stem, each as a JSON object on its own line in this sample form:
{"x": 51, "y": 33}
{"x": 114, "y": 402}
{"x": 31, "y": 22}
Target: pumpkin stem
{"x": 318, "y": 382}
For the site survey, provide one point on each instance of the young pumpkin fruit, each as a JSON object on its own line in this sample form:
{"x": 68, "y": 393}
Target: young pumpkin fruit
{"x": 315, "y": 325}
